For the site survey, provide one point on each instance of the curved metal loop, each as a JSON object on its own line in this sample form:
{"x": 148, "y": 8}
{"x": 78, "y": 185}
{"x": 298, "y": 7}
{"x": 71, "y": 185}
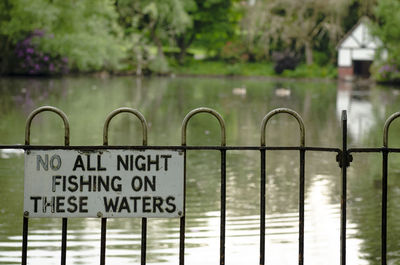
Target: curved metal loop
{"x": 283, "y": 110}
{"x": 42, "y": 109}
{"x": 127, "y": 110}
{"x": 386, "y": 128}
{"x": 203, "y": 110}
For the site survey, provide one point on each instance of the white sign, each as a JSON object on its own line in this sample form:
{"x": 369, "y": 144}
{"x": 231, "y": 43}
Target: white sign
{"x": 104, "y": 183}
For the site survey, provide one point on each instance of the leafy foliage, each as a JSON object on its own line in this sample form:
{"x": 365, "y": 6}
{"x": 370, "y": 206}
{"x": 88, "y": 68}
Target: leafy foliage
{"x": 297, "y": 25}
{"x": 85, "y": 32}
{"x": 387, "y": 30}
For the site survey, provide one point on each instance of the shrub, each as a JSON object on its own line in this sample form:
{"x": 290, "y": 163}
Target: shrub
{"x": 32, "y": 61}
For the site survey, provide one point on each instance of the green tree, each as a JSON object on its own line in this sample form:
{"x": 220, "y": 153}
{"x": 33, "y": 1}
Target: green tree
{"x": 301, "y": 25}
{"x": 85, "y": 32}
{"x": 213, "y": 24}
{"x": 157, "y": 22}
{"x": 387, "y": 30}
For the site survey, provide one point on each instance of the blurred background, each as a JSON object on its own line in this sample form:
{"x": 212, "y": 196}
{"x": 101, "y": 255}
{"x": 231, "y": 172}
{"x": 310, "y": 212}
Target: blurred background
{"x": 241, "y": 58}
{"x": 210, "y": 37}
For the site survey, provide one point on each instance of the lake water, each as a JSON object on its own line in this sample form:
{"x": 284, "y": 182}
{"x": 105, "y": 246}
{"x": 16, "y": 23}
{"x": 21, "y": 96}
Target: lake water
{"x": 243, "y": 103}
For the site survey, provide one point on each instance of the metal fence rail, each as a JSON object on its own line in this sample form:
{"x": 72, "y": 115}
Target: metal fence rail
{"x": 344, "y": 158}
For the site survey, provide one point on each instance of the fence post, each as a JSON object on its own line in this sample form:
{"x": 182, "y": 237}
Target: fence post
{"x": 104, "y": 220}
{"x": 344, "y": 159}
{"x": 26, "y": 216}
{"x": 301, "y": 178}
{"x": 223, "y": 184}
{"x": 385, "y": 157}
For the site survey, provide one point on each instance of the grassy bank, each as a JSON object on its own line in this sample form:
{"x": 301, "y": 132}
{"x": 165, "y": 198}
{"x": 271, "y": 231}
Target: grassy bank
{"x": 221, "y": 68}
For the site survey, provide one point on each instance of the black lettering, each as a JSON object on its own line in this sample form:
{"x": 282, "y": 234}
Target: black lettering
{"x": 71, "y": 202}
{"x": 157, "y": 203}
{"x": 105, "y": 185}
{"x": 142, "y": 166}
{"x": 88, "y": 164}
{"x": 44, "y": 163}
{"x": 87, "y": 183}
{"x": 35, "y": 203}
{"x": 135, "y": 199}
{"x": 150, "y": 183}
{"x": 136, "y": 183}
{"x": 121, "y": 162}
{"x": 57, "y": 166}
{"x": 94, "y": 183}
{"x": 55, "y": 182}
{"x": 114, "y": 186}
{"x": 99, "y": 167}
{"x": 166, "y": 157}
{"x": 48, "y": 203}
{"x": 110, "y": 205}
{"x": 171, "y": 204}
{"x": 146, "y": 204}
{"x": 60, "y": 203}
{"x": 72, "y": 181}
{"x": 82, "y": 204}
{"x": 64, "y": 183}
{"x": 153, "y": 162}
{"x": 124, "y": 205}
{"x": 79, "y": 163}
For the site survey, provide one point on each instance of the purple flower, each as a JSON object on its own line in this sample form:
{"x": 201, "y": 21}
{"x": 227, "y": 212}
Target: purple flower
{"x": 38, "y": 32}
{"x": 45, "y": 58}
{"x": 30, "y": 50}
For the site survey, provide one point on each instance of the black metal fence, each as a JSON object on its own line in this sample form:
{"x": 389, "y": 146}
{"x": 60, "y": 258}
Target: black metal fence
{"x": 344, "y": 158}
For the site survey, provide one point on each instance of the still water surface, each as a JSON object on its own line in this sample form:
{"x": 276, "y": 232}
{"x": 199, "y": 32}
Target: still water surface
{"x": 243, "y": 103}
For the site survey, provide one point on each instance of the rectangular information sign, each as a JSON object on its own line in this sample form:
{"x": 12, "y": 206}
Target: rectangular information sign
{"x": 104, "y": 183}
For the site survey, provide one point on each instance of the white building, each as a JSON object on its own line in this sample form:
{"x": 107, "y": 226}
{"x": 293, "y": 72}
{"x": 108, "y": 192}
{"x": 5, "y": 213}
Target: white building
{"x": 356, "y": 52}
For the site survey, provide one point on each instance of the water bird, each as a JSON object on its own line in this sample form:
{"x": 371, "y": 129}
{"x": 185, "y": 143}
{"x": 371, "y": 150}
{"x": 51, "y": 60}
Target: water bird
{"x": 282, "y": 92}
{"x": 239, "y": 91}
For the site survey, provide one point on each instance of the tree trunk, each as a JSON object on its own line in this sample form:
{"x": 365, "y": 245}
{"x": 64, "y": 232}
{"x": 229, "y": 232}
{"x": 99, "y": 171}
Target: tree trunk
{"x": 182, "y": 55}
{"x": 309, "y": 54}
{"x": 156, "y": 39}
{"x": 183, "y": 46}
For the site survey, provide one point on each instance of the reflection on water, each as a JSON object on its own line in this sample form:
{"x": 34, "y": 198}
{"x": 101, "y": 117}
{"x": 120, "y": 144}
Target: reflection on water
{"x": 164, "y": 102}
{"x": 360, "y": 110}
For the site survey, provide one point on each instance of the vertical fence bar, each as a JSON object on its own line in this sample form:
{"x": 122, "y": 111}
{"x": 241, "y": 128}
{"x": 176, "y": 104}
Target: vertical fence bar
{"x": 143, "y": 244}
{"x": 262, "y": 209}
{"x": 343, "y": 201}
{"x": 182, "y": 220}
{"x": 64, "y": 241}
{"x": 223, "y": 206}
{"x": 223, "y": 184}
{"x": 103, "y": 237}
{"x": 384, "y": 206}
{"x": 301, "y": 207}
{"x": 25, "y": 240}
{"x": 385, "y": 157}
{"x": 301, "y": 180}
{"x": 64, "y": 220}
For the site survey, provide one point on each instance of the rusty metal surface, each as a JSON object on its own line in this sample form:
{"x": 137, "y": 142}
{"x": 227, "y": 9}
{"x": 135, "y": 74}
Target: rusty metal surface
{"x": 125, "y": 110}
{"x": 287, "y": 111}
{"x": 64, "y": 220}
{"x": 43, "y": 109}
{"x": 385, "y": 157}
{"x": 203, "y": 110}
{"x": 223, "y": 183}
{"x": 343, "y": 157}
{"x": 143, "y": 244}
